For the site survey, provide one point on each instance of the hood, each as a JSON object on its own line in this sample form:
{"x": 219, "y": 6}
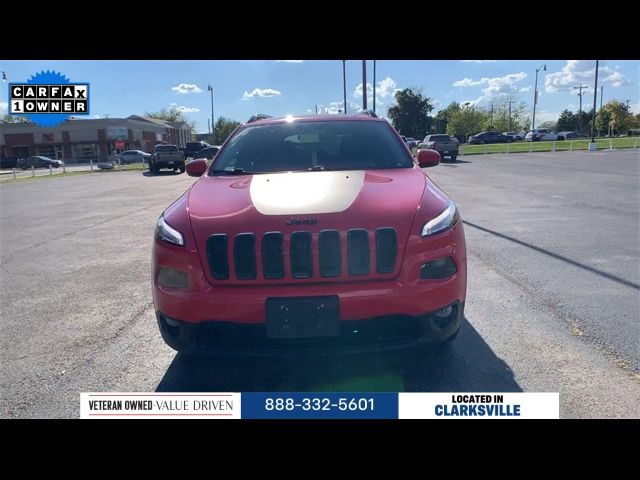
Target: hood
{"x": 304, "y": 201}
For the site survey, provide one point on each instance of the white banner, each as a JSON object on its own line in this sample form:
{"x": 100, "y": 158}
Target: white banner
{"x": 479, "y": 405}
{"x": 160, "y": 405}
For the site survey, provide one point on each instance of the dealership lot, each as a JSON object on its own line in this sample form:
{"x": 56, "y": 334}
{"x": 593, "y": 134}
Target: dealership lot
{"x": 552, "y": 305}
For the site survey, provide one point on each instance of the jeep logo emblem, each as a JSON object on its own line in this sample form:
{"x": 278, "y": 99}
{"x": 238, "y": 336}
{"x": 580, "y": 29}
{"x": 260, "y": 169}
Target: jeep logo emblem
{"x": 301, "y": 221}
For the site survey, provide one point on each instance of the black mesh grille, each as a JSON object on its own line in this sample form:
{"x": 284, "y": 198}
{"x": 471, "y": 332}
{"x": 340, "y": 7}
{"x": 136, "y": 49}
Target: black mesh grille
{"x": 244, "y": 256}
{"x": 358, "y": 252}
{"x": 386, "y": 249}
{"x": 273, "y": 255}
{"x": 329, "y": 253}
{"x": 301, "y": 255}
{"x": 217, "y": 256}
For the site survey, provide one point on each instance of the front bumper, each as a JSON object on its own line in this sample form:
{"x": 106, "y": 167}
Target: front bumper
{"x": 375, "y": 335}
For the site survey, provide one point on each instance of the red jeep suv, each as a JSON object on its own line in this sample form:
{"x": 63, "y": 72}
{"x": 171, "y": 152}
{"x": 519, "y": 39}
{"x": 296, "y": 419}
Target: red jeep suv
{"x": 310, "y": 235}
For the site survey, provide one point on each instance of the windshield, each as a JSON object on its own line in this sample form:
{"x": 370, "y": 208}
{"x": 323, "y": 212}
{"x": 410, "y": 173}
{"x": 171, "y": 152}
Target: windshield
{"x": 300, "y": 146}
{"x": 166, "y": 148}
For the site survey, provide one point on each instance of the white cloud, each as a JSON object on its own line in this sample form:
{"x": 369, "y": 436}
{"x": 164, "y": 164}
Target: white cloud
{"x": 185, "y": 88}
{"x": 4, "y": 108}
{"x": 435, "y": 103}
{"x": 261, "y": 92}
{"x": 494, "y": 86}
{"x": 309, "y": 110}
{"x": 634, "y": 107}
{"x": 290, "y": 61}
{"x": 96, "y": 116}
{"x": 478, "y": 61}
{"x": 467, "y": 82}
{"x": 525, "y": 89}
{"x": 182, "y": 108}
{"x": 578, "y": 71}
{"x": 384, "y": 88}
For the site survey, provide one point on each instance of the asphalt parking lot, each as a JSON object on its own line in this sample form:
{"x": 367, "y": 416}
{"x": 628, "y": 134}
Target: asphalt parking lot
{"x": 553, "y": 297}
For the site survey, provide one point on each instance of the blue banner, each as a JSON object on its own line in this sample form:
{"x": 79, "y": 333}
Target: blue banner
{"x": 296, "y": 405}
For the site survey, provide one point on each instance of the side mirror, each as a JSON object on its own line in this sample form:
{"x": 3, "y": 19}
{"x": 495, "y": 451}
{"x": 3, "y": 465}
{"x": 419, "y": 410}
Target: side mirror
{"x": 195, "y": 168}
{"x": 428, "y": 158}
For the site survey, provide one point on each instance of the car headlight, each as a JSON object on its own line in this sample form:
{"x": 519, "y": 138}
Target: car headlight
{"x": 167, "y": 233}
{"x": 444, "y": 221}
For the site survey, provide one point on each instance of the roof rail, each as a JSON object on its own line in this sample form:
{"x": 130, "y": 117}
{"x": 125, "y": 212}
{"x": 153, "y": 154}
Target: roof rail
{"x": 258, "y": 116}
{"x": 369, "y": 113}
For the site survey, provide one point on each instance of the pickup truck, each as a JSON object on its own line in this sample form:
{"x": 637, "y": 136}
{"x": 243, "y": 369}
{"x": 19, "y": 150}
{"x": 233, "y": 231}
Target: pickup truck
{"x": 167, "y": 156}
{"x": 443, "y": 144}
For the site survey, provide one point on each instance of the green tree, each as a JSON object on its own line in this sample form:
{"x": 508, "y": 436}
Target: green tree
{"x": 441, "y": 120}
{"x": 603, "y": 119}
{"x": 223, "y": 128}
{"x": 620, "y": 117}
{"x": 465, "y": 121}
{"x": 14, "y": 119}
{"x": 410, "y": 113}
{"x": 567, "y": 121}
{"x": 171, "y": 114}
{"x": 501, "y": 115}
{"x": 549, "y": 124}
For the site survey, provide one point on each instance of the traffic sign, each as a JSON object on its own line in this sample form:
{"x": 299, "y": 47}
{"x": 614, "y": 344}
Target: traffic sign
{"x": 119, "y": 143}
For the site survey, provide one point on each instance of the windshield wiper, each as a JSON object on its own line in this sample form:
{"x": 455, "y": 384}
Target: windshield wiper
{"x": 235, "y": 171}
{"x": 316, "y": 167}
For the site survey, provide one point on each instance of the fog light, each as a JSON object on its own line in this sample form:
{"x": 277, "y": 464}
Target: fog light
{"x": 168, "y": 277}
{"x": 441, "y": 268}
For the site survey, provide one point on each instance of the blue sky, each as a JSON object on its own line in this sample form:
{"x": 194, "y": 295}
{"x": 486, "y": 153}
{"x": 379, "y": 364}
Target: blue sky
{"x": 244, "y": 87}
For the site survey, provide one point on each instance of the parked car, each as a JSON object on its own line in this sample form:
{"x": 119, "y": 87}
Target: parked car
{"x": 167, "y": 156}
{"x": 412, "y": 142}
{"x": 541, "y": 134}
{"x": 133, "y": 156}
{"x": 8, "y": 162}
{"x": 570, "y": 135}
{"x": 489, "y": 137}
{"x": 193, "y": 148}
{"x": 443, "y": 144}
{"x": 284, "y": 245}
{"x": 514, "y": 136}
{"x": 38, "y": 161}
{"x": 208, "y": 152}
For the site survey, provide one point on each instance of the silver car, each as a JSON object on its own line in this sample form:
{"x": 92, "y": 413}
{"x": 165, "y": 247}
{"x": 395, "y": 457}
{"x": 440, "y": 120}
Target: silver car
{"x": 133, "y": 156}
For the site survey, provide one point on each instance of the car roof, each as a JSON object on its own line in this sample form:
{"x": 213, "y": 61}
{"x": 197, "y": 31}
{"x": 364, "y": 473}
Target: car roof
{"x": 316, "y": 118}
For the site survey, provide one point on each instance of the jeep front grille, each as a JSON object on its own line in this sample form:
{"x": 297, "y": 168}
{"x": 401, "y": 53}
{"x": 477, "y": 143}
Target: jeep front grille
{"x": 327, "y": 254}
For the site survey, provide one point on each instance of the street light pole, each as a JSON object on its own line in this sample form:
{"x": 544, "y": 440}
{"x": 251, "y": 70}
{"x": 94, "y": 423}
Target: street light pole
{"x": 535, "y": 95}
{"x": 364, "y": 84}
{"x": 213, "y": 122}
{"x": 374, "y": 86}
{"x": 595, "y": 97}
{"x": 344, "y": 85}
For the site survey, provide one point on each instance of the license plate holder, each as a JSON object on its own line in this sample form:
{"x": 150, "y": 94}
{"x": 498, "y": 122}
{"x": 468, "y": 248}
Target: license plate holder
{"x": 303, "y": 317}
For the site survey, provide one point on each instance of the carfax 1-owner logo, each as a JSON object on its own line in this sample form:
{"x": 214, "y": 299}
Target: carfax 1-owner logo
{"x": 48, "y": 98}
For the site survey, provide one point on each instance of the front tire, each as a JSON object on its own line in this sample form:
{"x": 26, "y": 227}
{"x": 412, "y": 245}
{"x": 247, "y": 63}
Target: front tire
{"x": 454, "y": 158}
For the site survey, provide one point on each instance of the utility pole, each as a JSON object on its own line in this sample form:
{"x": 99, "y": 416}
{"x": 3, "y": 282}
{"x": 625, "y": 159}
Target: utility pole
{"x": 595, "y": 99}
{"x": 601, "y": 95}
{"x": 580, "y": 88}
{"x": 491, "y": 119}
{"x": 627, "y": 105}
{"x": 510, "y": 102}
{"x": 316, "y": 108}
{"x": 374, "y": 86}
{"x": 213, "y": 118}
{"x": 364, "y": 84}
{"x": 344, "y": 84}
{"x": 209, "y": 125}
